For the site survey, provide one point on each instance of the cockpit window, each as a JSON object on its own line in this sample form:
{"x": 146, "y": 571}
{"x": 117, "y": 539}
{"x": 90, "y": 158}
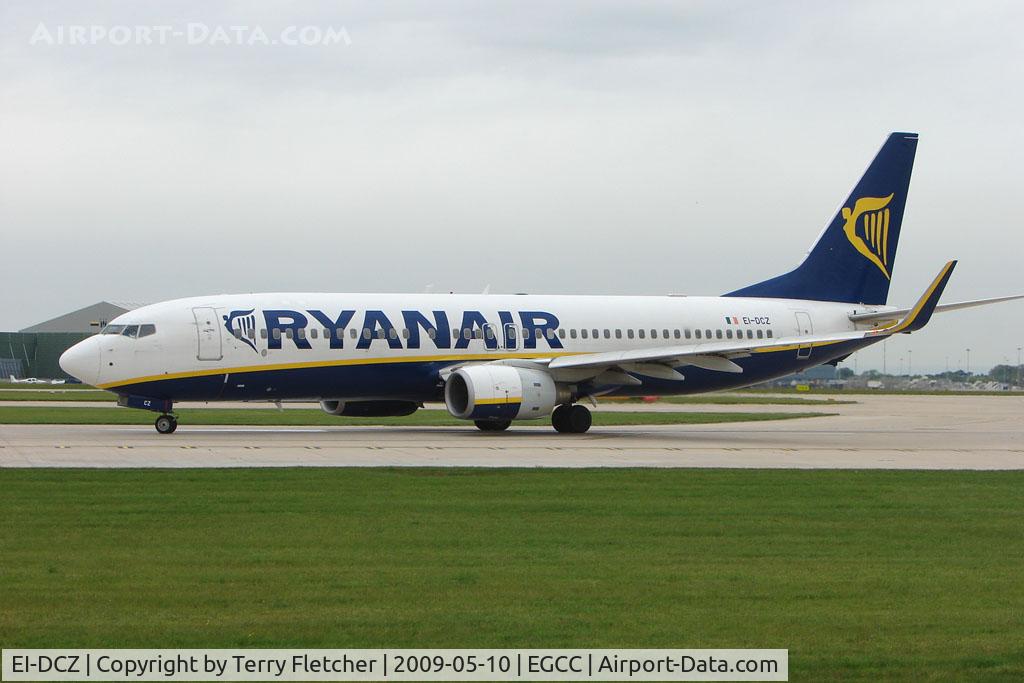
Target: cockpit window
{"x": 131, "y": 331}
{"x": 113, "y": 329}
{"x": 146, "y": 330}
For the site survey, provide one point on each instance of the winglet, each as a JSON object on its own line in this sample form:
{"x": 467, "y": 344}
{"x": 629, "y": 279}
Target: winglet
{"x": 922, "y": 311}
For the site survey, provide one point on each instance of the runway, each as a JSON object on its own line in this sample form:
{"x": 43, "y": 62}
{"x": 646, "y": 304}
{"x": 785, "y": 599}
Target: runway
{"x": 878, "y": 432}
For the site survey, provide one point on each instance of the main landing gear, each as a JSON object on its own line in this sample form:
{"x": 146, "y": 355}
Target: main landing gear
{"x": 571, "y": 419}
{"x": 166, "y": 424}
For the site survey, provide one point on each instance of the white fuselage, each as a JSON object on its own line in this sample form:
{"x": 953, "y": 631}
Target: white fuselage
{"x": 280, "y": 346}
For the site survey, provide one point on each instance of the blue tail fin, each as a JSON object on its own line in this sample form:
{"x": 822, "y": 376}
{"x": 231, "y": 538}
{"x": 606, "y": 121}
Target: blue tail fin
{"x": 853, "y": 259}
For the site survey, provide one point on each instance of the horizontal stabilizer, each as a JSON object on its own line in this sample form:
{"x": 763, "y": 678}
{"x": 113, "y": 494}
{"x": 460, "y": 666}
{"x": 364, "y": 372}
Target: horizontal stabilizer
{"x": 896, "y": 314}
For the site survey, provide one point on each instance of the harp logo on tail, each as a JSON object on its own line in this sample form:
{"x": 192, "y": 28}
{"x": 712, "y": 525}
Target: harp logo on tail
{"x": 867, "y": 228}
{"x": 242, "y": 326}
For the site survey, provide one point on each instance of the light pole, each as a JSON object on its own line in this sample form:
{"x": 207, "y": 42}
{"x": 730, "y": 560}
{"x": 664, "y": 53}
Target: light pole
{"x": 1018, "y": 364}
{"x": 910, "y": 362}
{"x": 968, "y": 360}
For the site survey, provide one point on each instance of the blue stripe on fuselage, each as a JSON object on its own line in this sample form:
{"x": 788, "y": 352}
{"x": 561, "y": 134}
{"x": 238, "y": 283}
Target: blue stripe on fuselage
{"x": 420, "y": 381}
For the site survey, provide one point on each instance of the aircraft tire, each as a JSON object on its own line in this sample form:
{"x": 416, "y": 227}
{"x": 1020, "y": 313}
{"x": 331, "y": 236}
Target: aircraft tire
{"x": 579, "y": 419}
{"x": 560, "y": 419}
{"x": 166, "y": 424}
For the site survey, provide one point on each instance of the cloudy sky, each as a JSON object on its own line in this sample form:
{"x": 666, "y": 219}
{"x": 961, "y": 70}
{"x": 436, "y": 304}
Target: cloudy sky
{"x": 574, "y": 147}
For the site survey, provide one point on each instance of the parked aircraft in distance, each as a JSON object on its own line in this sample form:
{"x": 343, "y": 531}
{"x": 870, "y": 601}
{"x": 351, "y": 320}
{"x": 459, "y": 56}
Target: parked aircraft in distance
{"x": 494, "y": 359}
{"x": 35, "y": 380}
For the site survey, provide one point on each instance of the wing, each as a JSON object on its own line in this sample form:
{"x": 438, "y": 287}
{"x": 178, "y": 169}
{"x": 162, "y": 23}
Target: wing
{"x": 719, "y": 355}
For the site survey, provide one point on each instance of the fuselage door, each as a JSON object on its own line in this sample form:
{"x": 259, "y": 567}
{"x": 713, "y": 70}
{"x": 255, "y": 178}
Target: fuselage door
{"x": 803, "y": 329}
{"x": 208, "y": 331}
{"x": 491, "y": 341}
{"x": 511, "y": 337}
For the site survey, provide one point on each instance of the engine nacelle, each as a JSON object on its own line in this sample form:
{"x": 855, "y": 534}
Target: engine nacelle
{"x": 501, "y": 392}
{"x": 369, "y": 408}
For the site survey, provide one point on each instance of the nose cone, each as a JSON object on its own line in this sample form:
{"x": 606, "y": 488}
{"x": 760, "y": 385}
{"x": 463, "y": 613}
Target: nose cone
{"x": 82, "y": 361}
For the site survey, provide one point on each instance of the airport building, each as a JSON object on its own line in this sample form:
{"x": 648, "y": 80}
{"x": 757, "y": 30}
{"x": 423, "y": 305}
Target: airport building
{"x": 34, "y": 351}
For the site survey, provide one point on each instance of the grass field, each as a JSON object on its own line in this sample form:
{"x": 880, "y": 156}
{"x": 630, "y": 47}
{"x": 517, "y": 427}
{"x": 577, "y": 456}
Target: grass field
{"x": 300, "y": 416}
{"x": 867, "y": 575}
{"x": 704, "y": 399}
{"x": 57, "y": 395}
{"x": 750, "y": 399}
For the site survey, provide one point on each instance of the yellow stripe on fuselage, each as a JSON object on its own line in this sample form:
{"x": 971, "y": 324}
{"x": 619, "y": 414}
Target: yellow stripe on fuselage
{"x": 384, "y": 361}
{"x": 328, "y": 364}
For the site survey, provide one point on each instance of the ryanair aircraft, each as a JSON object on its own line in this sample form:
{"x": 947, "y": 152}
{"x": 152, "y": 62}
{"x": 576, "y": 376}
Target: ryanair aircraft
{"x": 493, "y": 359}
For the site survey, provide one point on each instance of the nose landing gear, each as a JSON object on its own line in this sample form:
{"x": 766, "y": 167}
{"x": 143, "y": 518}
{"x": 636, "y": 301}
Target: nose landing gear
{"x": 571, "y": 419}
{"x": 166, "y": 424}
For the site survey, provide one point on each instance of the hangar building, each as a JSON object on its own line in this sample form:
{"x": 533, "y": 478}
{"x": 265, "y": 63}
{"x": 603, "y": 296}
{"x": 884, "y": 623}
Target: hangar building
{"x": 35, "y": 350}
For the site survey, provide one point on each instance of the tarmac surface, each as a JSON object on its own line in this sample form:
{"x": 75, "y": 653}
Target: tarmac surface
{"x": 879, "y": 432}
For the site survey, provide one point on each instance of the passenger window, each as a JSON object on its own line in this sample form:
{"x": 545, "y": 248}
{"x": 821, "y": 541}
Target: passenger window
{"x": 302, "y": 332}
{"x": 728, "y": 333}
{"x": 466, "y": 334}
{"x": 654, "y": 334}
{"x": 607, "y": 334}
{"x": 718, "y": 334}
{"x": 664, "y": 334}
{"x": 641, "y": 333}
{"x": 478, "y": 334}
{"x": 618, "y": 333}
{"x": 263, "y": 334}
{"x": 353, "y": 333}
{"x": 146, "y": 330}
{"x": 750, "y": 334}
{"x": 629, "y": 333}
{"x": 313, "y": 333}
{"x": 366, "y": 333}
{"x": 539, "y": 334}
{"x": 707, "y": 334}
{"x": 687, "y": 333}
{"x": 583, "y": 333}
{"x": 277, "y": 333}
{"x": 698, "y": 334}
{"x": 561, "y": 333}
{"x": 432, "y": 333}
{"x": 678, "y": 334}
{"x": 455, "y": 333}
{"x": 572, "y": 333}
{"x": 769, "y": 334}
{"x": 760, "y": 334}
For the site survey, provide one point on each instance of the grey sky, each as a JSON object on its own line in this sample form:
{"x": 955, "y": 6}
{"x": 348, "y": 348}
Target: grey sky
{"x": 546, "y": 147}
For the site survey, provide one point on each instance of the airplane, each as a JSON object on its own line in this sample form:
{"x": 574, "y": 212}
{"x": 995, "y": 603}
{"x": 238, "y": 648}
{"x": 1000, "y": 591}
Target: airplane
{"x": 498, "y": 359}
{"x": 34, "y": 380}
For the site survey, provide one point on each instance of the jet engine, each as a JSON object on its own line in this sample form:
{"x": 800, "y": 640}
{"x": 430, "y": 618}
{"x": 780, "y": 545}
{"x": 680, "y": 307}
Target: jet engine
{"x": 369, "y": 408}
{"x": 501, "y": 392}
